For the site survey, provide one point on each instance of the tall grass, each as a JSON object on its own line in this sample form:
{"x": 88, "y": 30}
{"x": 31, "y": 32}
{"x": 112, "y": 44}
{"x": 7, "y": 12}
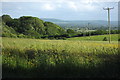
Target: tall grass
{"x": 59, "y": 58}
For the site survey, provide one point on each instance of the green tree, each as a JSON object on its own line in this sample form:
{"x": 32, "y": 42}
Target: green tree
{"x": 8, "y": 31}
{"x": 6, "y": 18}
{"x": 30, "y": 23}
{"x": 70, "y": 31}
{"x": 32, "y": 33}
{"x": 29, "y": 26}
{"x": 53, "y": 29}
{"x": 14, "y": 23}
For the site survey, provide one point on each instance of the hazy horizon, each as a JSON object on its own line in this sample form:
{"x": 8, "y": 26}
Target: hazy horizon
{"x": 76, "y": 19}
{"x": 60, "y": 19}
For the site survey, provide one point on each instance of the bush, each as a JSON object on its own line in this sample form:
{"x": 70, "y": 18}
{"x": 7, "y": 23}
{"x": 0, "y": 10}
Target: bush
{"x": 119, "y": 39}
{"x": 70, "y": 31}
{"x": 21, "y": 36}
{"x": 9, "y": 35}
{"x": 13, "y": 35}
{"x": 64, "y": 38}
{"x": 105, "y": 39}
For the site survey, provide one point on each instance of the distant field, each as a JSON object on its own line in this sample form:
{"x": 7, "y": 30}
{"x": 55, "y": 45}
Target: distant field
{"x": 31, "y": 58}
{"x": 114, "y": 37}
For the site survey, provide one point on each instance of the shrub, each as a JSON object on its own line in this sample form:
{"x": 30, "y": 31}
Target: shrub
{"x": 13, "y": 35}
{"x": 21, "y": 36}
{"x": 119, "y": 39}
{"x": 105, "y": 39}
{"x": 64, "y": 38}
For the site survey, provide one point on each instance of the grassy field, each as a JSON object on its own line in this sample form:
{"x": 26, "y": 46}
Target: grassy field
{"x": 114, "y": 37}
{"x": 31, "y": 58}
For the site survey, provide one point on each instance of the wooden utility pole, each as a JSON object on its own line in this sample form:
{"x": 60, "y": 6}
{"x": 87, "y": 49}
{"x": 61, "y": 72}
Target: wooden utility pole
{"x": 109, "y": 22}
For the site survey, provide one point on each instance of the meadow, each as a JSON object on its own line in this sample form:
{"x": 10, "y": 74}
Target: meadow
{"x": 114, "y": 37}
{"x": 34, "y": 58}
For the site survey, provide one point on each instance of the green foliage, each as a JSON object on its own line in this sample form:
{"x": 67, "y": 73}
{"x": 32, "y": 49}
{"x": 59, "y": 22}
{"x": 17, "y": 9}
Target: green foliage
{"x": 15, "y": 24}
{"x": 105, "y": 39}
{"x": 8, "y": 31}
{"x": 9, "y": 35}
{"x": 6, "y": 18}
{"x": 32, "y": 33}
{"x": 114, "y": 31}
{"x": 119, "y": 39}
{"x": 21, "y": 36}
{"x": 31, "y": 23}
{"x": 53, "y": 29}
{"x": 99, "y": 32}
{"x": 70, "y": 31}
{"x": 31, "y": 27}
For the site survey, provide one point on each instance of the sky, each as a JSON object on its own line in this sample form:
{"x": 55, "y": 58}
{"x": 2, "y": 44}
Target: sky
{"x": 61, "y": 9}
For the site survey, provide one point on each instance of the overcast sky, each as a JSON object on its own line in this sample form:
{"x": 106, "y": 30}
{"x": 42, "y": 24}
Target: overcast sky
{"x": 61, "y": 9}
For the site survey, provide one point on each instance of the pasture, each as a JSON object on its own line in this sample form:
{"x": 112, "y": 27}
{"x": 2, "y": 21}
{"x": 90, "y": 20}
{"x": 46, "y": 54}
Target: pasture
{"x": 34, "y": 58}
{"x": 114, "y": 37}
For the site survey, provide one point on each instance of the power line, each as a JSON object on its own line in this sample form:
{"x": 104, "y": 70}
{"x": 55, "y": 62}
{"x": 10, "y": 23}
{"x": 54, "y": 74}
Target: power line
{"x": 109, "y": 26}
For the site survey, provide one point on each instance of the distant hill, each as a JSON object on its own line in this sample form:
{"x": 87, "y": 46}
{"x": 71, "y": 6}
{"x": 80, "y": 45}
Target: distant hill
{"x": 80, "y": 23}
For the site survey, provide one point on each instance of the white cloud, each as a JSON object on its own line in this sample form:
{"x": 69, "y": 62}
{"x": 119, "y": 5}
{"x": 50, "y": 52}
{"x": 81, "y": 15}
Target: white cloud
{"x": 81, "y": 5}
{"x": 90, "y": 7}
{"x": 59, "y": 5}
{"x": 105, "y": 0}
{"x": 86, "y": 1}
{"x": 19, "y": 8}
{"x": 48, "y": 6}
{"x": 76, "y": 5}
{"x": 72, "y": 5}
